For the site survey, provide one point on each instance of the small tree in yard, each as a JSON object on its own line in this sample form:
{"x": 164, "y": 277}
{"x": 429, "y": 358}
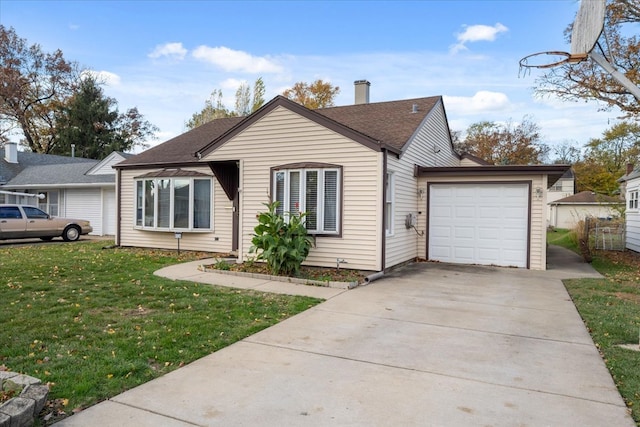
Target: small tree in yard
{"x": 284, "y": 245}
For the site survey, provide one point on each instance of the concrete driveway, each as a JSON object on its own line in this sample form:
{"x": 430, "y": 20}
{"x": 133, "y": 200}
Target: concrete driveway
{"x": 429, "y": 345}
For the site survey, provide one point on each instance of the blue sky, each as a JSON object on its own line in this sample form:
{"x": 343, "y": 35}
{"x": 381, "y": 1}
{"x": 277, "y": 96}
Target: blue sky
{"x": 166, "y": 57}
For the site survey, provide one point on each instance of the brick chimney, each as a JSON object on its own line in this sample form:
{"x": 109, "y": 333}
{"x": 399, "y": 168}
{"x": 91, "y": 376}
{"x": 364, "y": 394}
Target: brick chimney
{"x": 11, "y": 152}
{"x": 362, "y": 91}
{"x": 629, "y": 168}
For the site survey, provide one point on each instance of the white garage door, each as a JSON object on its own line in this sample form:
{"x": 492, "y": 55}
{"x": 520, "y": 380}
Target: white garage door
{"x": 484, "y": 223}
{"x": 85, "y": 204}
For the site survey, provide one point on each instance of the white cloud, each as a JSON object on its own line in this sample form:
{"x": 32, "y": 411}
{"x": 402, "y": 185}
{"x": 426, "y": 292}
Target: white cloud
{"x": 106, "y": 77}
{"x": 236, "y": 60}
{"x": 477, "y": 33}
{"x": 483, "y": 101}
{"x": 231, "y": 84}
{"x": 171, "y": 50}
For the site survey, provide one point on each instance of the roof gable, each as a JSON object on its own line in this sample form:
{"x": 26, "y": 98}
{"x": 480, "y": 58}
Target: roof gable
{"x": 378, "y": 126}
{"x": 105, "y": 166}
{"x": 317, "y": 116}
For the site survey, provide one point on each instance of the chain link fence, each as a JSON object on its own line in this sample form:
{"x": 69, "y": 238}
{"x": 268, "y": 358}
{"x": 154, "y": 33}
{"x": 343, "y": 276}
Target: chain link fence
{"x": 606, "y": 234}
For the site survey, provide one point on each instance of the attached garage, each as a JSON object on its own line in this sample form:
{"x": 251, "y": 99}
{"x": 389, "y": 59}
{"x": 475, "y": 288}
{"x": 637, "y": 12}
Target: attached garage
{"x": 479, "y": 223}
{"x": 485, "y": 214}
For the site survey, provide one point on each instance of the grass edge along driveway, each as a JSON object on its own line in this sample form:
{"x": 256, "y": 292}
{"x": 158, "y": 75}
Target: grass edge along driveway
{"x": 94, "y": 322}
{"x": 610, "y": 309}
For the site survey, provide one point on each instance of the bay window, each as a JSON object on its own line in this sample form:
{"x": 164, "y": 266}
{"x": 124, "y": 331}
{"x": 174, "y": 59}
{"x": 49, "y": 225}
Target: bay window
{"x": 164, "y": 203}
{"x": 314, "y": 191}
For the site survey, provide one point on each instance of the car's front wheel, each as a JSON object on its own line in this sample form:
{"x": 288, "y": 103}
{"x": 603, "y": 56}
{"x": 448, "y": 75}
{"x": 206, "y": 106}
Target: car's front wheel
{"x": 71, "y": 233}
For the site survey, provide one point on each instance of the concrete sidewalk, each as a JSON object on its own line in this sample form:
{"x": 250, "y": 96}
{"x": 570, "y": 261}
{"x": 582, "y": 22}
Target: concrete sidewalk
{"x": 429, "y": 345}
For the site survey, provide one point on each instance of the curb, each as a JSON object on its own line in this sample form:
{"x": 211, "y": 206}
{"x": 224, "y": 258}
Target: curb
{"x": 293, "y": 280}
{"x": 21, "y": 411}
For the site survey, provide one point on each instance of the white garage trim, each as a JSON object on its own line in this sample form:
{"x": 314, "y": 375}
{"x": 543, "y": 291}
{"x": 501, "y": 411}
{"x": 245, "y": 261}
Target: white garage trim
{"x": 485, "y": 223}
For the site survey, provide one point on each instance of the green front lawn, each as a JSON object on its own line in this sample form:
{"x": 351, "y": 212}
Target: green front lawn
{"x": 610, "y": 308}
{"x": 94, "y": 322}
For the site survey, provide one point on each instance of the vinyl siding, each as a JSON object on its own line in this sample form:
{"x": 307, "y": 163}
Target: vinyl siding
{"x": 632, "y": 219}
{"x": 105, "y": 166}
{"x": 430, "y": 146}
{"x": 197, "y": 241}
{"x": 537, "y": 245}
{"x": 283, "y": 137}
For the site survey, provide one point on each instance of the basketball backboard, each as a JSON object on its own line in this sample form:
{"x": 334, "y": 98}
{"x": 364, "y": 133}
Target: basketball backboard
{"x": 587, "y": 28}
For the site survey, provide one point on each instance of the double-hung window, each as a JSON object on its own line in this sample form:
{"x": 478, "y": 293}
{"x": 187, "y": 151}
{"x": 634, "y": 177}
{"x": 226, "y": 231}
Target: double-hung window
{"x": 633, "y": 199}
{"x": 389, "y": 191}
{"x": 311, "y": 189}
{"x": 174, "y": 203}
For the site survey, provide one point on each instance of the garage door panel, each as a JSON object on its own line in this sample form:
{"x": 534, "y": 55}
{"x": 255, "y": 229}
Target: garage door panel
{"x": 465, "y": 254}
{"x": 464, "y": 232}
{"x": 489, "y": 223}
{"x": 441, "y": 212}
{"x": 441, "y": 232}
{"x": 464, "y": 212}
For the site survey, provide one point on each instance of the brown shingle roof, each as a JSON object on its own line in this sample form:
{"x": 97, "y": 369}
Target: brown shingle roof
{"x": 182, "y": 148}
{"x": 391, "y": 123}
{"x": 586, "y": 197}
{"x": 377, "y": 125}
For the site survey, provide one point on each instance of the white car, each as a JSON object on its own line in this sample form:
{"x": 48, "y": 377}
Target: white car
{"x": 21, "y": 222}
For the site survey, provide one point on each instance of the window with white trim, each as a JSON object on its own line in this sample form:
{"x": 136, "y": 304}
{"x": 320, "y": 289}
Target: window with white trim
{"x": 633, "y": 199}
{"x": 314, "y": 191}
{"x": 389, "y": 191}
{"x": 183, "y": 203}
{"x": 49, "y": 203}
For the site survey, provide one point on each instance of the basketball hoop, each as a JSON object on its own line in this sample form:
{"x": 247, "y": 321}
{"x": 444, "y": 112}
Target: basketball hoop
{"x": 555, "y": 58}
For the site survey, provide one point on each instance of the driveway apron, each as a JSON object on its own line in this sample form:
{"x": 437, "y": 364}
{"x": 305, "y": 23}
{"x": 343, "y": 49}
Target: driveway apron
{"x": 428, "y": 345}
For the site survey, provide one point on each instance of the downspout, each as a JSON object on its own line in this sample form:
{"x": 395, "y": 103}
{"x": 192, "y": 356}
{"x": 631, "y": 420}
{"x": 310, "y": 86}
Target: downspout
{"x": 378, "y": 274}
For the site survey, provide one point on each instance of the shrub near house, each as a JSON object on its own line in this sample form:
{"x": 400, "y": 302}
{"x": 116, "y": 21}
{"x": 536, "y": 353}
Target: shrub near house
{"x": 281, "y": 241}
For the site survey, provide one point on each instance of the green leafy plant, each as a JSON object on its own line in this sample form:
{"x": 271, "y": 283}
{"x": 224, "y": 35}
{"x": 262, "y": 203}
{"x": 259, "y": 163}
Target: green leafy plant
{"x": 282, "y": 242}
{"x": 222, "y": 265}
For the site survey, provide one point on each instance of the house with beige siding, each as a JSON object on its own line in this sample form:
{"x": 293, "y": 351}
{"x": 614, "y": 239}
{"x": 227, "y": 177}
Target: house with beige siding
{"x": 364, "y": 174}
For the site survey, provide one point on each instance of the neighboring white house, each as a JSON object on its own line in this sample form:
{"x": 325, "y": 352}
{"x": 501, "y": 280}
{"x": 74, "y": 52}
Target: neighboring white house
{"x": 630, "y": 184}
{"x": 564, "y": 187}
{"x": 380, "y": 182}
{"x": 566, "y": 212}
{"x": 72, "y": 187}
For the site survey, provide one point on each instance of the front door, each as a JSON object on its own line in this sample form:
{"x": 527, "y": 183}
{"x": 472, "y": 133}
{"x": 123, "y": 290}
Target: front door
{"x": 228, "y": 175}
